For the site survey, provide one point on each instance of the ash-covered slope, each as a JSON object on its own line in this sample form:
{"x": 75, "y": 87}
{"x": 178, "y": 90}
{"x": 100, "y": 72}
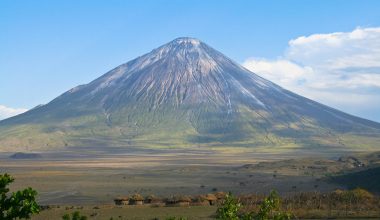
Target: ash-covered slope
{"x": 185, "y": 93}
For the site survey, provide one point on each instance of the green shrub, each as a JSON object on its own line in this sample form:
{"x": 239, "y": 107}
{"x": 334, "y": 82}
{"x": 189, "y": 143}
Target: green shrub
{"x": 74, "y": 216}
{"x": 270, "y": 209}
{"x": 174, "y": 218}
{"x": 19, "y": 205}
{"x": 229, "y": 209}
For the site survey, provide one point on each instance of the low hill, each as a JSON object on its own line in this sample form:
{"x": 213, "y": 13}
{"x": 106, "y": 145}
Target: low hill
{"x": 367, "y": 179}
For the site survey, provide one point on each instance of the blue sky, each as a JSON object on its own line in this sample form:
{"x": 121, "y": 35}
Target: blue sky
{"x": 48, "y": 47}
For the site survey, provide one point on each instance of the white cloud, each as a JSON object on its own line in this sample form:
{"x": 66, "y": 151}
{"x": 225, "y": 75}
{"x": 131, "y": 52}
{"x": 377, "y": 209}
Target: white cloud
{"x": 6, "y": 112}
{"x": 281, "y": 71}
{"x": 359, "y": 48}
{"x": 339, "y": 69}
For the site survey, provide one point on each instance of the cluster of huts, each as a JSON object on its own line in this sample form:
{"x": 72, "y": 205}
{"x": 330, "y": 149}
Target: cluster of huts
{"x": 199, "y": 200}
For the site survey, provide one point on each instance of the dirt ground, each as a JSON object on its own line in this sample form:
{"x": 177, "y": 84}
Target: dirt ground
{"x": 130, "y": 212}
{"x": 89, "y": 179}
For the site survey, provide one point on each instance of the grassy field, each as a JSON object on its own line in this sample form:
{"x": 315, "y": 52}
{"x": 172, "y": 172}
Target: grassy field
{"x": 90, "y": 182}
{"x": 131, "y": 212}
{"x": 192, "y": 212}
{"x": 98, "y": 179}
{"x": 332, "y": 205}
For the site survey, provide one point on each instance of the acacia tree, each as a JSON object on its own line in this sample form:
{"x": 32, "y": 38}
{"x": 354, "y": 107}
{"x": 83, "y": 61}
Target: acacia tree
{"x": 17, "y": 205}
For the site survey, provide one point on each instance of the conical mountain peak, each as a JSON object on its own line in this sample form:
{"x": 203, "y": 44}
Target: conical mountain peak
{"x": 183, "y": 71}
{"x": 184, "y": 49}
{"x": 187, "y": 93}
{"x": 187, "y": 40}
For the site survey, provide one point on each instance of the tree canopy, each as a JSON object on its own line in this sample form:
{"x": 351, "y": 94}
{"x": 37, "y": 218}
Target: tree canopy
{"x": 16, "y": 205}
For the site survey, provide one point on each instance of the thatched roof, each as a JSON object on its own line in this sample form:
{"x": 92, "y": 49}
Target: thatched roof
{"x": 201, "y": 198}
{"x": 220, "y": 195}
{"x": 152, "y": 198}
{"x": 211, "y": 197}
{"x": 184, "y": 199}
{"x": 176, "y": 199}
{"x": 122, "y": 198}
{"x": 137, "y": 197}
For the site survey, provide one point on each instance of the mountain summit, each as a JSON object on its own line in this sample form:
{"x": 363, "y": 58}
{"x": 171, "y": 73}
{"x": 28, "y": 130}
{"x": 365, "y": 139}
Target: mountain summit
{"x": 185, "y": 94}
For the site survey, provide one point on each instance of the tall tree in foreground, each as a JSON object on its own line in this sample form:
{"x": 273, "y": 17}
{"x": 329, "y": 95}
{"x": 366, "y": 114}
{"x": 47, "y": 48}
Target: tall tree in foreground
{"x": 17, "y": 205}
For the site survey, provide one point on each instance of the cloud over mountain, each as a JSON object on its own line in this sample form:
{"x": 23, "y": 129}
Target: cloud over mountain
{"x": 341, "y": 69}
{"x": 6, "y": 112}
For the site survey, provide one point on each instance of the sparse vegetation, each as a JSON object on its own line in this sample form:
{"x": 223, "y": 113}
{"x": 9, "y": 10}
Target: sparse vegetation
{"x": 357, "y": 203}
{"x": 303, "y": 195}
{"x": 176, "y": 218}
{"x": 336, "y": 204}
{"x": 270, "y": 208}
{"x": 74, "y": 216}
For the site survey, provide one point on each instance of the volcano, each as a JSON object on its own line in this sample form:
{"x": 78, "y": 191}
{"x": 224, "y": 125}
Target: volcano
{"x": 186, "y": 94}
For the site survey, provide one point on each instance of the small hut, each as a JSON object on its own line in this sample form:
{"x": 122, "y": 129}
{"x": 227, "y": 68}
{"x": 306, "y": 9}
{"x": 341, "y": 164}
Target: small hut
{"x": 121, "y": 200}
{"x": 183, "y": 200}
{"x": 211, "y": 198}
{"x": 178, "y": 201}
{"x": 220, "y": 195}
{"x": 153, "y": 200}
{"x": 201, "y": 200}
{"x": 136, "y": 199}
{"x": 149, "y": 199}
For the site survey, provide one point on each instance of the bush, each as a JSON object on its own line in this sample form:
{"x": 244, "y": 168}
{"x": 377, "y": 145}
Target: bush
{"x": 174, "y": 218}
{"x": 362, "y": 195}
{"x": 74, "y": 216}
{"x": 229, "y": 209}
{"x": 21, "y": 204}
{"x": 270, "y": 208}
